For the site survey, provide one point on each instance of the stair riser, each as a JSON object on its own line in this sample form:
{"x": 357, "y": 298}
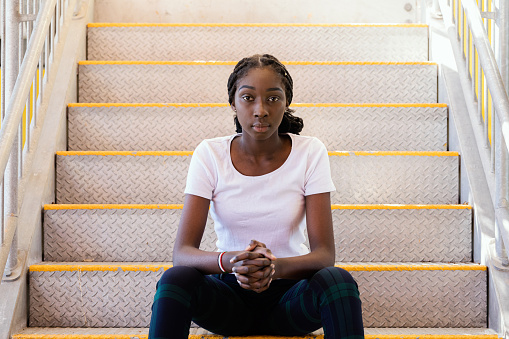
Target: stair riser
{"x": 129, "y": 179}
{"x": 390, "y": 298}
{"x": 182, "y": 128}
{"x": 350, "y": 83}
{"x": 361, "y": 235}
{"x": 339, "y": 43}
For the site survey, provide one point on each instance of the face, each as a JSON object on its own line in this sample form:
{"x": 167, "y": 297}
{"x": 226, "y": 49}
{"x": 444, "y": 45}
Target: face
{"x": 260, "y": 103}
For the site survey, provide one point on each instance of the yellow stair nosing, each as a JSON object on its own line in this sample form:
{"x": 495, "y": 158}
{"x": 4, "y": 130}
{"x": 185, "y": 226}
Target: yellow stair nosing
{"x": 213, "y": 336}
{"x": 331, "y": 153}
{"x": 233, "y": 63}
{"x": 180, "y": 206}
{"x": 125, "y": 153}
{"x": 70, "y": 267}
{"x": 106, "y": 24}
{"x": 441, "y": 105}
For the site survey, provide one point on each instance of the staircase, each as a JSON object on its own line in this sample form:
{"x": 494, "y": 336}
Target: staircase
{"x": 367, "y": 91}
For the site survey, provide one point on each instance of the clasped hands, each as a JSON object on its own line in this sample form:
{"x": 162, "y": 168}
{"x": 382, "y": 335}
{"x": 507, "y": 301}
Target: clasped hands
{"x": 255, "y": 267}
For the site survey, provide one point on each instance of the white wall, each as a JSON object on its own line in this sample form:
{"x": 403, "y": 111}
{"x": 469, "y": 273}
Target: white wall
{"x": 257, "y": 11}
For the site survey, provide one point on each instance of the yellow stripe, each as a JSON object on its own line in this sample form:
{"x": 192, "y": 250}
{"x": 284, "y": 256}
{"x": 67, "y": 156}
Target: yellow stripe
{"x": 213, "y": 336}
{"x": 348, "y": 267}
{"x": 233, "y": 63}
{"x": 133, "y": 153}
{"x": 111, "y": 206}
{"x": 180, "y": 206}
{"x": 97, "y": 267}
{"x": 187, "y": 153}
{"x": 226, "y": 105}
{"x": 247, "y": 25}
{"x": 400, "y": 207}
{"x": 395, "y": 153}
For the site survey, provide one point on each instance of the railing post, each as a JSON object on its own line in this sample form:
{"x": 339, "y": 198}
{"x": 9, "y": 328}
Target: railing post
{"x": 501, "y": 181}
{"x": 503, "y": 28}
{"x": 11, "y": 69}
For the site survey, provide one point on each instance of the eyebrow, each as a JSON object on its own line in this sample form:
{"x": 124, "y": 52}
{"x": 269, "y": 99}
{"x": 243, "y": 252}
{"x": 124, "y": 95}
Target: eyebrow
{"x": 268, "y": 89}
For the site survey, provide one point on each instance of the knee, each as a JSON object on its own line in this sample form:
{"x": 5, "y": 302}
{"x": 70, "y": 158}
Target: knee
{"x": 182, "y": 276}
{"x": 335, "y": 276}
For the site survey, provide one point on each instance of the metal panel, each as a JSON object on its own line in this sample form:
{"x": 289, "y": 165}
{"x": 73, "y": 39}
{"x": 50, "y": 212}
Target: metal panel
{"x": 361, "y": 234}
{"x": 291, "y": 43}
{"x": 368, "y": 128}
{"x": 156, "y": 179}
{"x": 417, "y": 298}
{"x": 350, "y": 83}
{"x": 395, "y": 179}
{"x": 142, "y": 333}
{"x": 115, "y": 234}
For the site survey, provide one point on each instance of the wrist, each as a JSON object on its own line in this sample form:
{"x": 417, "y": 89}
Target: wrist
{"x": 225, "y": 260}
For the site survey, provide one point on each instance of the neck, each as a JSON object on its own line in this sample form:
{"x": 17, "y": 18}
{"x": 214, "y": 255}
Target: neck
{"x": 258, "y": 148}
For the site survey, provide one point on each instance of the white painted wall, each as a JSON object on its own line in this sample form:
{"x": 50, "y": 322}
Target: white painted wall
{"x": 257, "y": 11}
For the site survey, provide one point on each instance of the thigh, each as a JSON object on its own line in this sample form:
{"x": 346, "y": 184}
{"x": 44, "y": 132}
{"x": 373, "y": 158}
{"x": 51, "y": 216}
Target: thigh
{"x": 221, "y": 306}
{"x": 297, "y": 312}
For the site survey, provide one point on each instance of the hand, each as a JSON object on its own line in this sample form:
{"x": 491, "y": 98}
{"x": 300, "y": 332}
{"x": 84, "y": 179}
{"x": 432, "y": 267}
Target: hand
{"x": 261, "y": 248}
{"x": 254, "y": 268}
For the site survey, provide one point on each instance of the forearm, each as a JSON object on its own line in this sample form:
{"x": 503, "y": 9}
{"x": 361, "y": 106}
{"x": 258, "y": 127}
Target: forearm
{"x": 204, "y": 261}
{"x": 304, "y": 266}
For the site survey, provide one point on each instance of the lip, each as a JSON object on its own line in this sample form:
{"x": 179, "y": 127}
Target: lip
{"x": 261, "y": 127}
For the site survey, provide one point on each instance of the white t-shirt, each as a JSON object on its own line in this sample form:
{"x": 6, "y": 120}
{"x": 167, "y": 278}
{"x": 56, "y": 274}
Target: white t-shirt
{"x": 269, "y": 208}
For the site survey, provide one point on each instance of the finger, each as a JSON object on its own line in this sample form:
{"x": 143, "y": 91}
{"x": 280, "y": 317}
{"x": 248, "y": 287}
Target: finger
{"x": 246, "y": 279}
{"x": 245, "y": 256}
{"x": 246, "y": 269}
{"x": 267, "y": 271}
{"x": 261, "y": 262}
{"x": 254, "y": 244}
{"x": 265, "y": 252}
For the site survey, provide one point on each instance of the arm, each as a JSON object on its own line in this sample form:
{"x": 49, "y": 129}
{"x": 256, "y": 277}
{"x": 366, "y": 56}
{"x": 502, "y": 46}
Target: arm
{"x": 321, "y": 240}
{"x": 186, "y": 251}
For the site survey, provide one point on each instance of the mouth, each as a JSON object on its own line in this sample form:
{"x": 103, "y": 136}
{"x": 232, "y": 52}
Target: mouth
{"x": 261, "y": 127}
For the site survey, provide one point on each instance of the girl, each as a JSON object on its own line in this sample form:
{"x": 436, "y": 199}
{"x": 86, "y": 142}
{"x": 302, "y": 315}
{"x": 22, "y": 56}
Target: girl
{"x": 269, "y": 184}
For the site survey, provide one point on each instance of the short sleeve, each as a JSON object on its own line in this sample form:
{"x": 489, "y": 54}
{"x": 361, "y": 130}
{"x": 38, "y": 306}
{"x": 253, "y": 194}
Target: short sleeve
{"x": 318, "y": 173}
{"x": 201, "y": 180}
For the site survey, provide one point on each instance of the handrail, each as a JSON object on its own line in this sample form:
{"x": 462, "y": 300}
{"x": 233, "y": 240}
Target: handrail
{"x": 34, "y": 72}
{"x": 475, "y": 48}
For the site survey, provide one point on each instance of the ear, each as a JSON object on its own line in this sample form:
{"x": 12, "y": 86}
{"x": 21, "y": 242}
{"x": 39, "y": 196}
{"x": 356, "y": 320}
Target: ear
{"x": 232, "y": 106}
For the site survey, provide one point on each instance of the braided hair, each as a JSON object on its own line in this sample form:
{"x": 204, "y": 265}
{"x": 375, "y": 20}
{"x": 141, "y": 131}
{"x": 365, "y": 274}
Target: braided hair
{"x": 290, "y": 123}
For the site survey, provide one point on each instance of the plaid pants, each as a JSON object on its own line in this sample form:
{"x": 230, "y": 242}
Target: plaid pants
{"x": 330, "y": 299}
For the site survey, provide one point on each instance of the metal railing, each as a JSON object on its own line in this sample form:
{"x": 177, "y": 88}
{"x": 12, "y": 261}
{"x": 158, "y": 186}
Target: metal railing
{"x": 471, "y": 29}
{"x": 29, "y": 47}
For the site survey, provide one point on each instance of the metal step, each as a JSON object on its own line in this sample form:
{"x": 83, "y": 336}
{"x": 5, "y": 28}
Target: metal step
{"x": 199, "y": 333}
{"x": 157, "y": 127}
{"x": 326, "y": 42}
{"x": 393, "y": 295}
{"x": 315, "y": 82}
{"x": 389, "y": 233}
{"x": 159, "y": 177}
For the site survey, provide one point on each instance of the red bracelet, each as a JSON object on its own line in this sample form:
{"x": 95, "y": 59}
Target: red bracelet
{"x": 220, "y": 262}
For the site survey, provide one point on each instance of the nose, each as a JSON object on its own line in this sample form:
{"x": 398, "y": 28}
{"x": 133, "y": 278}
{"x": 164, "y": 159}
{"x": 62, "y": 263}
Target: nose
{"x": 260, "y": 111}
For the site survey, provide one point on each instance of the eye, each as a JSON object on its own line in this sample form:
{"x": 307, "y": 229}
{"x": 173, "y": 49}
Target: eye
{"x": 247, "y": 97}
{"x": 273, "y": 98}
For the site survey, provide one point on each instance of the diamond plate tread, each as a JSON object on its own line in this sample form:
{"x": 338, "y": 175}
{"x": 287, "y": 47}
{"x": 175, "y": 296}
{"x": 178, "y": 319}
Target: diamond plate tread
{"x": 414, "y": 295}
{"x": 362, "y": 233}
{"x": 146, "y": 82}
{"x": 287, "y": 42}
{"x": 142, "y": 333}
{"x": 156, "y": 127}
{"x": 159, "y": 177}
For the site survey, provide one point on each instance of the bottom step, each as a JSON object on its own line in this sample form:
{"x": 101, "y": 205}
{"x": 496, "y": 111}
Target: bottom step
{"x": 198, "y": 333}
{"x": 393, "y": 295}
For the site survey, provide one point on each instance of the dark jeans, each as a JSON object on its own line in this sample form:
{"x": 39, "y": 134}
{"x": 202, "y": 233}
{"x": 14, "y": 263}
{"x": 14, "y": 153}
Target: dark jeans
{"x": 289, "y": 307}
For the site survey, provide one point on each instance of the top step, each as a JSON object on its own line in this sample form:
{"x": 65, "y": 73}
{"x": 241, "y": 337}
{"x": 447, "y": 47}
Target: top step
{"x": 326, "y": 42}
